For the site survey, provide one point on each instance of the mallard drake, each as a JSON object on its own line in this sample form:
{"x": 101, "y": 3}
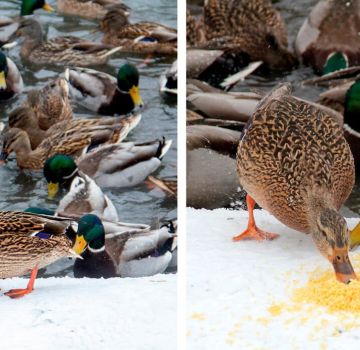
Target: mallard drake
{"x": 239, "y": 31}
{"x": 320, "y": 41}
{"x": 29, "y": 242}
{"x": 141, "y": 37}
{"x": 103, "y": 93}
{"x": 125, "y": 254}
{"x": 101, "y": 130}
{"x": 11, "y": 82}
{"x": 211, "y": 176}
{"x": 67, "y": 50}
{"x": 50, "y": 104}
{"x": 8, "y": 26}
{"x": 168, "y": 80}
{"x": 302, "y": 176}
{"x": 90, "y": 9}
{"x": 123, "y": 165}
{"x": 17, "y": 140}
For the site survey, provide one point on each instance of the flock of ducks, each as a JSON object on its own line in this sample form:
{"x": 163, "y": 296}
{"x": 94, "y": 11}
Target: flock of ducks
{"x": 296, "y": 158}
{"x": 82, "y": 156}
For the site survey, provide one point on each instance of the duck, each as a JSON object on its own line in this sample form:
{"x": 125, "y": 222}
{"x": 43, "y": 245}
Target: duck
{"x": 8, "y": 26}
{"x": 103, "y": 93}
{"x": 168, "y": 80}
{"x": 68, "y": 50}
{"x": 141, "y": 37}
{"x": 212, "y": 181}
{"x": 302, "y": 176}
{"x": 320, "y": 41}
{"x": 50, "y": 104}
{"x": 236, "y": 33}
{"x": 30, "y": 242}
{"x": 17, "y": 140}
{"x": 105, "y": 130}
{"x": 11, "y": 82}
{"x": 125, "y": 254}
{"x": 122, "y": 165}
{"x": 90, "y": 9}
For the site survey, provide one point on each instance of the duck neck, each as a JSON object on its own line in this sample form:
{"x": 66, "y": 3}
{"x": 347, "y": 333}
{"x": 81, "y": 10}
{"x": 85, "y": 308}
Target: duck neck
{"x": 318, "y": 203}
{"x": 121, "y": 103}
{"x": 32, "y": 40}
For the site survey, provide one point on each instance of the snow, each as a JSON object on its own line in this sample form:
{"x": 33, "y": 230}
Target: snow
{"x": 86, "y": 314}
{"x": 232, "y": 287}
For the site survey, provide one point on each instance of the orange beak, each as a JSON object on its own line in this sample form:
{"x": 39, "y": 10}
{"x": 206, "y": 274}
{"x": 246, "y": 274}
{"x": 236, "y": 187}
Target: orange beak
{"x": 343, "y": 269}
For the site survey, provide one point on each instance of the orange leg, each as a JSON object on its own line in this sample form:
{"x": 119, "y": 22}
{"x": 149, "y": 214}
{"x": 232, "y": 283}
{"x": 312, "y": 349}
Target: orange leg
{"x": 18, "y": 293}
{"x": 252, "y": 231}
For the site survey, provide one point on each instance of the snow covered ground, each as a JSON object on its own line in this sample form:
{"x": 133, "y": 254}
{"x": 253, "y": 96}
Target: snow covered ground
{"x": 235, "y": 289}
{"x": 87, "y": 314}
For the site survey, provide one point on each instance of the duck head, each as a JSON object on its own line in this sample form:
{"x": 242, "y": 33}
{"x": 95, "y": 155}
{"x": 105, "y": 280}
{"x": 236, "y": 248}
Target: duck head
{"x": 331, "y": 236}
{"x": 59, "y": 171}
{"x": 128, "y": 83}
{"x": 90, "y": 234}
{"x": 29, "y": 6}
{"x": 335, "y": 61}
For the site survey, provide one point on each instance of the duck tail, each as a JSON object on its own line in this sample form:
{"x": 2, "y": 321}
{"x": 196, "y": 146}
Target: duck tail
{"x": 164, "y": 146}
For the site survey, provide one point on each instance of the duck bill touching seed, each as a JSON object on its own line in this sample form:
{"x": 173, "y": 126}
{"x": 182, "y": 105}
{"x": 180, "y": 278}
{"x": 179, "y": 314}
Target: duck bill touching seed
{"x": 135, "y": 95}
{"x": 343, "y": 269}
{"x": 2, "y": 81}
{"x": 80, "y": 244}
{"x": 53, "y": 189}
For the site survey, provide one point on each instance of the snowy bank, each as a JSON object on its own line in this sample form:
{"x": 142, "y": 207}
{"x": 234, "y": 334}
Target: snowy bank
{"x": 87, "y": 314}
{"x": 234, "y": 288}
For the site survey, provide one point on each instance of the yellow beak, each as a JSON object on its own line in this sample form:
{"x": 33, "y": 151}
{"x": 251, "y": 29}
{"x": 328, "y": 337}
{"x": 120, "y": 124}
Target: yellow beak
{"x": 135, "y": 95}
{"x": 53, "y": 189}
{"x": 2, "y": 81}
{"x": 48, "y": 8}
{"x": 80, "y": 244}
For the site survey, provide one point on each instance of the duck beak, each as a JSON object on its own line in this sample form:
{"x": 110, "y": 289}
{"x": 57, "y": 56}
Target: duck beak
{"x": 80, "y": 244}
{"x": 48, "y": 8}
{"x": 53, "y": 189}
{"x": 135, "y": 95}
{"x": 342, "y": 265}
{"x": 2, "y": 81}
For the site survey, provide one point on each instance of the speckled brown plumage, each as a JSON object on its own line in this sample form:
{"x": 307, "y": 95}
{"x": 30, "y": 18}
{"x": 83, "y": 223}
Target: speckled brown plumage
{"x": 17, "y": 140}
{"x": 293, "y": 160}
{"x": 119, "y": 32}
{"x": 68, "y": 50}
{"x": 247, "y": 30}
{"x": 20, "y": 252}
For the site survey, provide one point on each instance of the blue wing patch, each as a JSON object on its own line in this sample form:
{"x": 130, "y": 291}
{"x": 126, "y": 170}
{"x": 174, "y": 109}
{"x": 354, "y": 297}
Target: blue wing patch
{"x": 43, "y": 235}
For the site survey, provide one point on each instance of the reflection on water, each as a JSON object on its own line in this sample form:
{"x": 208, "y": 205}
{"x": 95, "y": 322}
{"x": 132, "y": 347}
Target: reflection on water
{"x": 20, "y": 189}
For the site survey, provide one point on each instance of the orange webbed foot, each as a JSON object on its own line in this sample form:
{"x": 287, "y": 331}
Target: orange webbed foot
{"x": 17, "y": 293}
{"x": 256, "y": 234}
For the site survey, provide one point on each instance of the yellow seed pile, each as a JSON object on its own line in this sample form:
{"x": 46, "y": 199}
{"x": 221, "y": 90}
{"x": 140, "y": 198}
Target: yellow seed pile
{"x": 324, "y": 290}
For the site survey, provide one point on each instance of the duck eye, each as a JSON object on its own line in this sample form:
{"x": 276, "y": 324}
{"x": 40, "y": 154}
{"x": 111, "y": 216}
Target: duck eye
{"x": 338, "y": 257}
{"x": 324, "y": 234}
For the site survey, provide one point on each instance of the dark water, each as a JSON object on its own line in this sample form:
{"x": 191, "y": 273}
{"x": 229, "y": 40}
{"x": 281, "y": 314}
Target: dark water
{"x": 294, "y": 14}
{"x": 20, "y": 189}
